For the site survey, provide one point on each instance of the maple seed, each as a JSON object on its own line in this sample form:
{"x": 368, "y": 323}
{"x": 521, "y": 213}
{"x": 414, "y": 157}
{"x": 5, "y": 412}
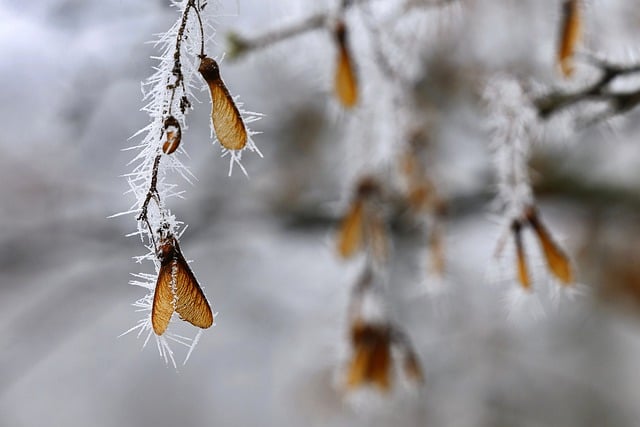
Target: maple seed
{"x": 372, "y": 356}
{"x": 523, "y": 274}
{"x": 226, "y": 119}
{"x": 361, "y": 226}
{"x": 557, "y": 261}
{"x": 571, "y": 34}
{"x": 177, "y": 290}
{"x": 350, "y": 234}
{"x": 174, "y": 135}
{"x": 345, "y": 83}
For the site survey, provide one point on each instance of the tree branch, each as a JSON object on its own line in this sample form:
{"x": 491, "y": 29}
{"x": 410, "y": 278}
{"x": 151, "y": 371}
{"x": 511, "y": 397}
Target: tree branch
{"x": 240, "y": 45}
{"x": 620, "y": 102}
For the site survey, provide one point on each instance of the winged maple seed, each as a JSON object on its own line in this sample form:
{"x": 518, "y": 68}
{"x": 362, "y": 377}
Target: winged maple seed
{"x": 227, "y": 121}
{"x": 570, "y": 36}
{"x": 362, "y": 226}
{"x": 350, "y": 234}
{"x": 523, "y": 274}
{"x": 371, "y": 363}
{"x": 557, "y": 261}
{"x": 345, "y": 83}
{"x": 177, "y": 290}
{"x": 173, "y": 133}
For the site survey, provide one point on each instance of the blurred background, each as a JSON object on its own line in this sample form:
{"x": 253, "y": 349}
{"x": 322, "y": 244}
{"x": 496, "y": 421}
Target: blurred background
{"x": 263, "y": 248}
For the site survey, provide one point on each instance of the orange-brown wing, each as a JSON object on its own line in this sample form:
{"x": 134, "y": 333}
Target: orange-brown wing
{"x": 357, "y": 374}
{"x": 556, "y": 259}
{"x": 226, "y": 118}
{"x": 162, "y": 300}
{"x": 350, "y": 233}
{"x": 191, "y": 304}
{"x": 380, "y": 363}
{"x": 346, "y": 85}
{"x": 571, "y": 33}
{"x": 523, "y": 274}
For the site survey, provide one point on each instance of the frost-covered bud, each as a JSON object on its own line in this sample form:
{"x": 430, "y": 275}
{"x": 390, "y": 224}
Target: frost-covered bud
{"x": 173, "y": 133}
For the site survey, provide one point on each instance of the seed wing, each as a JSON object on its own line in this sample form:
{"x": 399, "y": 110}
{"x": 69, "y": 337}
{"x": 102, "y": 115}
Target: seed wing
{"x": 571, "y": 33}
{"x": 350, "y": 233}
{"x": 162, "y": 300}
{"x": 556, "y": 259}
{"x": 346, "y": 86}
{"x": 226, "y": 118}
{"x": 191, "y": 304}
{"x": 521, "y": 259}
{"x": 357, "y": 374}
{"x": 380, "y": 364}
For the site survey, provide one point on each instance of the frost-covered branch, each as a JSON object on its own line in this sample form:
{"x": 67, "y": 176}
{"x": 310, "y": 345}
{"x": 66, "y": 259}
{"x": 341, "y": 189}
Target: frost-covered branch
{"x": 240, "y": 45}
{"x": 168, "y": 93}
{"x": 512, "y": 123}
{"x": 619, "y": 102}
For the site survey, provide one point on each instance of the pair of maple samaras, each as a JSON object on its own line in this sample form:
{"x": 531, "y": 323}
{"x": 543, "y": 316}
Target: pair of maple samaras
{"x": 557, "y": 261}
{"x": 372, "y": 350}
{"x": 177, "y": 289}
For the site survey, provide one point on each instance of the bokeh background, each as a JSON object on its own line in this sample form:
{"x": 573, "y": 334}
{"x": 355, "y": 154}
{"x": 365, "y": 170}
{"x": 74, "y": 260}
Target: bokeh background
{"x": 262, "y": 247}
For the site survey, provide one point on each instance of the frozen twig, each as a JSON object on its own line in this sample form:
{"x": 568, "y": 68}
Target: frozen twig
{"x": 601, "y": 90}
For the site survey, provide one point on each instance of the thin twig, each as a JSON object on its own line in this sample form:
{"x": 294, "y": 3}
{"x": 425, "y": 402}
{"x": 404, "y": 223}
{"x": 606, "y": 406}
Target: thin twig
{"x": 620, "y": 102}
{"x": 177, "y": 65}
{"x": 176, "y": 71}
{"x": 152, "y": 193}
{"x": 240, "y": 45}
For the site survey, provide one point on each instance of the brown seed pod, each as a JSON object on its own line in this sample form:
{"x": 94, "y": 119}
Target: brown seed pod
{"x": 371, "y": 363}
{"x": 177, "y": 290}
{"x": 523, "y": 274}
{"x": 173, "y": 132}
{"x": 557, "y": 261}
{"x": 226, "y": 119}
{"x": 570, "y": 35}
{"x": 345, "y": 82}
{"x": 362, "y": 227}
